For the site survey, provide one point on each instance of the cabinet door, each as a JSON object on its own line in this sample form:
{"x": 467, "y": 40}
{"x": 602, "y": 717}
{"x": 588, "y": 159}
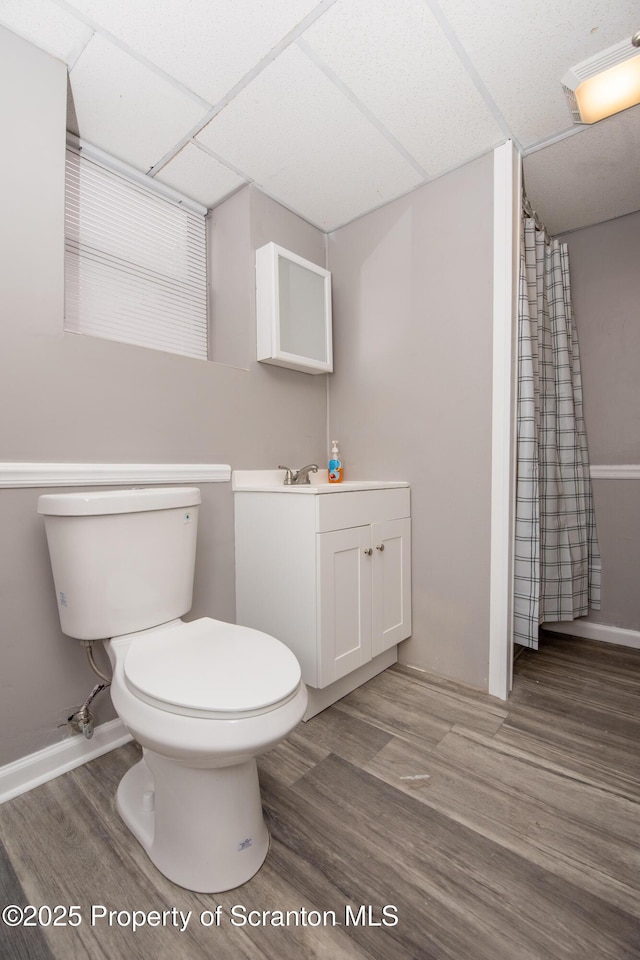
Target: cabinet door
{"x": 391, "y": 570}
{"x": 344, "y": 609}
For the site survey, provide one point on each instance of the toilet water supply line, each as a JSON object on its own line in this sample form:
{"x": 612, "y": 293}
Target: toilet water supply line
{"x": 82, "y": 720}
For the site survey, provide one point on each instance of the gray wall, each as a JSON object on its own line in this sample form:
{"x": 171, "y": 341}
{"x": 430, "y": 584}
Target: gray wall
{"x": 605, "y": 287}
{"x": 72, "y": 398}
{"x": 410, "y": 398}
{"x": 237, "y": 227}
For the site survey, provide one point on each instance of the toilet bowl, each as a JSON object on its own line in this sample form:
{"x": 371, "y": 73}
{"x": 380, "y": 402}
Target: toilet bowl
{"x": 193, "y": 801}
{"x": 203, "y": 698}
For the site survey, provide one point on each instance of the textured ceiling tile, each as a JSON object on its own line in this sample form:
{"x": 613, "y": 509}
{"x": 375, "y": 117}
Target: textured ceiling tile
{"x": 396, "y": 60}
{"x": 46, "y": 26}
{"x": 127, "y": 109}
{"x": 198, "y": 175}
{"x": 305, "y": 144}
{"x": 300, "y": 136}
{"x": 522, "y": 50}
{"x": 208, "y": 45}
{"x": 587, "y": 178}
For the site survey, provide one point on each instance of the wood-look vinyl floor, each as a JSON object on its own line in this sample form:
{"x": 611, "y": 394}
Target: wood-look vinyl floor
{"x": 496, "y": 831}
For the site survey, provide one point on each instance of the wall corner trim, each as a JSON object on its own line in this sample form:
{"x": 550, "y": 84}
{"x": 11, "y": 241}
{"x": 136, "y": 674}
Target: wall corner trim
{"x": 100, "y": 474}
{"x": 506, "y": 194}
{"x": 47, "y": 764}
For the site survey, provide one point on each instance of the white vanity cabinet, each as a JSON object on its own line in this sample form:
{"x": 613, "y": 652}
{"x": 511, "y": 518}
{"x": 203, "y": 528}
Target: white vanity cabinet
{"x": 327, "y": 572}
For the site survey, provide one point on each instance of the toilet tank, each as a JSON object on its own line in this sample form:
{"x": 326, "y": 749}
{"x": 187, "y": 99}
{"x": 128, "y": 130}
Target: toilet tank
{"x": 122, "y": 560}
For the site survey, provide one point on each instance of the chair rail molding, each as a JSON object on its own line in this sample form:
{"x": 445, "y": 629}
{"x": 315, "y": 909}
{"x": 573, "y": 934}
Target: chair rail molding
{"x": 100, "y": 474}
{"x": 615, "y": 471}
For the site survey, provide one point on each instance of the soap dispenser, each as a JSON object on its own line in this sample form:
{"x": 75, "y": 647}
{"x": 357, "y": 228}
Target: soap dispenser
{"x": 335, "y": 464}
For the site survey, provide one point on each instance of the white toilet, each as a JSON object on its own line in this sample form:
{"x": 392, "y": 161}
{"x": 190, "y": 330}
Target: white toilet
{"x": 203, "y": 698}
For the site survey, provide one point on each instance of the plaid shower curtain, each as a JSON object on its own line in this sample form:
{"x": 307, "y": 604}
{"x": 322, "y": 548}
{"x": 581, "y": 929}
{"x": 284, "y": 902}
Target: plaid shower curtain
{"x": 557, "y": 559}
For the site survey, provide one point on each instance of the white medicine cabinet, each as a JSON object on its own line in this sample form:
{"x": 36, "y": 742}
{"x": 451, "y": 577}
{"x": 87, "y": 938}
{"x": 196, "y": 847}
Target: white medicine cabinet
{"x": 293, "y": 308}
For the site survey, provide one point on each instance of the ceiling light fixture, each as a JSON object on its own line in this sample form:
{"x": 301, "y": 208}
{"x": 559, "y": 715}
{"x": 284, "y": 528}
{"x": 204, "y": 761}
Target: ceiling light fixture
{"x": 606, "y": 83}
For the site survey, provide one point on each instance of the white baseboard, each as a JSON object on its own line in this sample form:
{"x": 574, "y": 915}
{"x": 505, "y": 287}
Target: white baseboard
{"x": 29, "y": 772}
{"x": 589, "y": 630}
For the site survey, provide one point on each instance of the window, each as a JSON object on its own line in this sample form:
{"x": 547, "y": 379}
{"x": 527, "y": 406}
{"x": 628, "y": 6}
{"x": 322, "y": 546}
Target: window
{"x": 135, "y": 260}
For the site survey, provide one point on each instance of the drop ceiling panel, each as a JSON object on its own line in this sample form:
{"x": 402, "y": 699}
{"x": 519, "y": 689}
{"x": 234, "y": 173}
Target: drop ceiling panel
{"x": 127, "y": 109}
{"x": 198, "y": 175}
{"x": 46, "y": 26}
{"x": 588, "y": 178}
{"x": 208, "y": 45}
{"x": 340, "y": 105}
{"x": 305, "y": 144}
{"x": 522, "y": 50}
{"x": 396, "y": 60}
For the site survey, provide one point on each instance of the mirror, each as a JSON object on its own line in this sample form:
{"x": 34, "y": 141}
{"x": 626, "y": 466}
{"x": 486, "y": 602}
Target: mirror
{"x": 293, "y": 309}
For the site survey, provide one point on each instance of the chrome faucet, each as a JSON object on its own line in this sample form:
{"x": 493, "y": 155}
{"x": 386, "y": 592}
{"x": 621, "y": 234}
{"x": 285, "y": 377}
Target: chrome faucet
{"x": 295, "y": 477}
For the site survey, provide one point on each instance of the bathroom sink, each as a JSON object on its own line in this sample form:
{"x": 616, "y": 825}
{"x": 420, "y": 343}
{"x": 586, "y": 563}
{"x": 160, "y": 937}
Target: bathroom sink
{"x": 272, "y": 481}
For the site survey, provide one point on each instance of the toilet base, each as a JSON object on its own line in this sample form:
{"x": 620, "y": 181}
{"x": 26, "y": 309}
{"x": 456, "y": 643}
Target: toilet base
{"x": 203, "y": 829}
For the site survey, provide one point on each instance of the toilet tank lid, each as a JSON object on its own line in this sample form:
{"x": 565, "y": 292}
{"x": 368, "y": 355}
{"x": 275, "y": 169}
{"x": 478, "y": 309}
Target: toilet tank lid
{"x": 117, "y": 501}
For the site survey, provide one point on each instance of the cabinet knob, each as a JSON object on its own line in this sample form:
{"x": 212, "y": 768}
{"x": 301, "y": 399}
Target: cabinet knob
{"x": 380, "y": 547}
{"x": 368, "y": 552}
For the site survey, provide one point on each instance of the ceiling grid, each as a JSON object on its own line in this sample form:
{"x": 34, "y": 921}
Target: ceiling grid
{"x": 333, "y": 108}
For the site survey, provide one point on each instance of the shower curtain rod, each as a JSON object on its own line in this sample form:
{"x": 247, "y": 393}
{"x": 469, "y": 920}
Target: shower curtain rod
{"x": 528, "y": 211}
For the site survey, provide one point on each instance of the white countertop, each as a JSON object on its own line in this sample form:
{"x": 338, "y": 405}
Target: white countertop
{"x": 272, "y": 481}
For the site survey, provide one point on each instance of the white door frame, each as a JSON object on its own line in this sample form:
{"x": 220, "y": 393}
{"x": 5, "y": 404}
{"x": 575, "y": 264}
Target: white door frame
{"x": 506, "y": 233}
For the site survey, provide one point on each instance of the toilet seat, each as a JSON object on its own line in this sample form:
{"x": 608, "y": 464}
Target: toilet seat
{"x": 210, "y": 669}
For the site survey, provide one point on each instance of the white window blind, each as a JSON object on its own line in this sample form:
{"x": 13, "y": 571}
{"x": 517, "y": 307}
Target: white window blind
{"x": 135, "y": 262}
